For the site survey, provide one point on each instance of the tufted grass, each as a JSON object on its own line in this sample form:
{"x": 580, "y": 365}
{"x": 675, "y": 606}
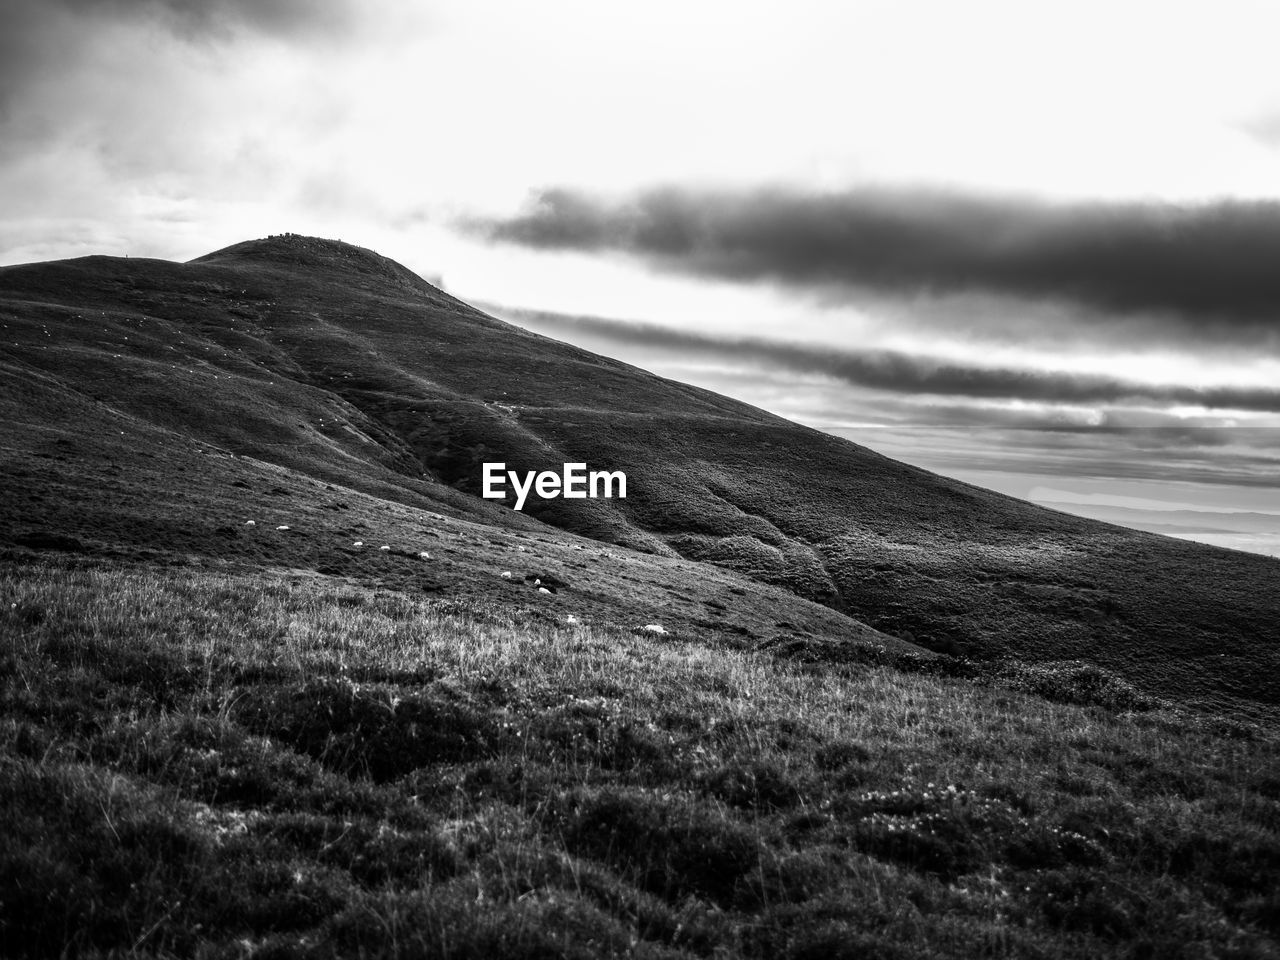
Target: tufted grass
{"x": 226, "y": 766}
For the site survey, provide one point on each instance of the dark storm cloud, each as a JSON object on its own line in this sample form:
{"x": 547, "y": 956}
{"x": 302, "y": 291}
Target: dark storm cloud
{"x": 209, "y": 18}
{"x": 218, "y": 18}
{"x": 46, "y": 35}
{"x": 900, "y": 372}
{"x": 45, "y": 42}
{"x": 28, "y": 37}
{"x": 1217, "y": 263}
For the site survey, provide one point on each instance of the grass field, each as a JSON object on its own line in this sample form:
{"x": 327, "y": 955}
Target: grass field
{"x": 290, "y": 765}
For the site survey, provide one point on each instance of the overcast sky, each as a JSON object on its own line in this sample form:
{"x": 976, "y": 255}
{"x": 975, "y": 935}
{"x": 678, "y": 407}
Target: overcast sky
{"x": 1036, "y": 246}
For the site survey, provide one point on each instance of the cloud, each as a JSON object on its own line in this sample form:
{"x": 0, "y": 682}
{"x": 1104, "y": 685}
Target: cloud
{"x": 287, "y": 19}
{"x": 46, "y": 38}
{"x": 171, "y": 127}
{"x": 193, "y": 19}
{"x": 961, "y": 420}
{"x": 899, "y": 372}
{"x": 1146, "y": 455}
{"x": 1265, "y": 128}
{"x": 1213, "y": 262}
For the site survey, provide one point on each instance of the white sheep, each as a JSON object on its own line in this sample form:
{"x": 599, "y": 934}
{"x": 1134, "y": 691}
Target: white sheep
{"x": 506, "y": 574}
{"x": 543, "y": 590}
{"x": 251, "y": 523}
{"x": 283, "y": 526}
{"x": 571, "y": 620}
{"x": 423, "y": 555}
{"x": 358, "y": 544}
{"x": 654, "y": 628}
{"x": 384, "y": 548}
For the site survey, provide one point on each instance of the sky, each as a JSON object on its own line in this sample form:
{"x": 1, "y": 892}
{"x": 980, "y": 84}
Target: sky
{"x": 1032, "y": 246}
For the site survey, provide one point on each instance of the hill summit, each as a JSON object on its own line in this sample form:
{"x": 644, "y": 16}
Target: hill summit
{"x": 294, "y": 251}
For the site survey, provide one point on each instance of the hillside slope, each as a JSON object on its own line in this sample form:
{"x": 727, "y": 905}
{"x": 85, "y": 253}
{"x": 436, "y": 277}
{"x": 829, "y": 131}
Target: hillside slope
{"x": 197, "y": 765}
{"x": 337, "y": 376}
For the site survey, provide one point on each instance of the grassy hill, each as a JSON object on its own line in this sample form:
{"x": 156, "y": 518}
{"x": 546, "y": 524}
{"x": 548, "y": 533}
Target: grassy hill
{"x": 275, "y": 681}
{"x": 227, "y": 765}
{"x": 156, "y": 406}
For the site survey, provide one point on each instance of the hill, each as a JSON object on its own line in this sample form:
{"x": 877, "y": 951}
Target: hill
{"x": 275, "y": 682}
{"x": 152, "y": 408}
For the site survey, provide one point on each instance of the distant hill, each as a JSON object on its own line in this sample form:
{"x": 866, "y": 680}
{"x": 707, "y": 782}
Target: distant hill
{"x": 150, "y": 408}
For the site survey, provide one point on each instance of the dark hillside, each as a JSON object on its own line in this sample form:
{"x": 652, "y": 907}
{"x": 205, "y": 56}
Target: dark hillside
{"x": 354, "y": 379}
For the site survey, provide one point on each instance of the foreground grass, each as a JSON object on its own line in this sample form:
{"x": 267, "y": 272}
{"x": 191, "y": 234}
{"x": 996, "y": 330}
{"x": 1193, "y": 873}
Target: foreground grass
{"x": 213, "y": 766}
